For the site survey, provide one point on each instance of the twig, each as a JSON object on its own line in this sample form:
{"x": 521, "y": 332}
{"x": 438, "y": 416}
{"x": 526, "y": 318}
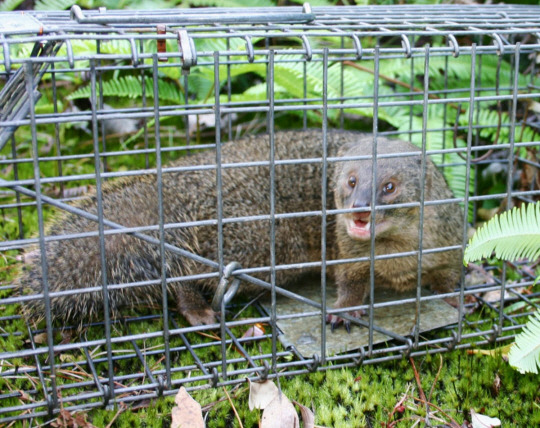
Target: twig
{"x": 122, "y": 409}
{"x": 233, "y": 407}
{"x": 452, "y": 420}
{"x": 399, "y": 404}
{"x": 436, "y": 378}
{"x": 420, "y": 390}
{"x": 417, "y": 377}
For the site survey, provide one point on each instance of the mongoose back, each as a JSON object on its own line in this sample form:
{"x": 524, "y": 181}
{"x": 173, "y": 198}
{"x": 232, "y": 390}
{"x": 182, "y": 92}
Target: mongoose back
{"x": 190, "y": 196}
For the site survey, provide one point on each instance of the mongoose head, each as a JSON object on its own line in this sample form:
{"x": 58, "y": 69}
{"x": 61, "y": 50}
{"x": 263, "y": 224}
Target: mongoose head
{"x": 398, "y": 181}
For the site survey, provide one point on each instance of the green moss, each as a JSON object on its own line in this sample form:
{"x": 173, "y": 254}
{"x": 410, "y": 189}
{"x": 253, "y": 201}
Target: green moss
{"x": 351, "y": 397}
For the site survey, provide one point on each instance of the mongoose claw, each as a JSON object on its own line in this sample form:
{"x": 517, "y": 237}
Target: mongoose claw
{"x": 335, "y": 320}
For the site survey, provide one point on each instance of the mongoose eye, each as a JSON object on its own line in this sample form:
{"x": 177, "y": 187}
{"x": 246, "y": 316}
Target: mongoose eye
{"x": 389, "y": 188}
{"x": 352, "y": 181}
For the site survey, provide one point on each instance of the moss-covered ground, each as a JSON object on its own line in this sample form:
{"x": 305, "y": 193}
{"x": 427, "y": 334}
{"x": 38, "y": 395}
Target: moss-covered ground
{"x": 396, "y": 393}
{"x": 453, "y": 383}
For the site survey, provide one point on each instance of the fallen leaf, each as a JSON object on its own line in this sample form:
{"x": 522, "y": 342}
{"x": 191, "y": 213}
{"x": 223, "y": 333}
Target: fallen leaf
{"x": 483, "y": 421}
{"x": 502, "y": 351}
{"x": 261, "y": 394}
{"x": 66, "y": 419}
{"x": 256, "y": 330}
{"x": 280, "y": 413}
{"x": 41, "y": 338}
{"x": 307, "y": 415}
{"x": 496, "y": 387}
{"x": 187, "y": 413}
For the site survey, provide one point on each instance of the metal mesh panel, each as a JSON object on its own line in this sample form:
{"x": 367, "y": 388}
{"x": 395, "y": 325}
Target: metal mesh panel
{"x": 304, "y": 67}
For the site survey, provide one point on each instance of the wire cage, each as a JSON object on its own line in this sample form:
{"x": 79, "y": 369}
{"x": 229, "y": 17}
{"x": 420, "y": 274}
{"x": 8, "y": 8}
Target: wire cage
{"x": 94, "y": 98}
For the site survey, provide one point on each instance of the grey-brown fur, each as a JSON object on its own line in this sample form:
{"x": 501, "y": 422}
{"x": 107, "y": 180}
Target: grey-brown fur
{"x": 191, "y": 196}
{"x": 188, "y": 196}
{"x": 397, "y": 229}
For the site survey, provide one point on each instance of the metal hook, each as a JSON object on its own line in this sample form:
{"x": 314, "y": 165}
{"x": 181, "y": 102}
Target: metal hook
{"x": 106, "y": 395}
{"x": 497, "y": 41}
{"x": 266, "y": 370}
{"x": 69, "y": 51}
{"x": 307, "y": 47}
{"x": 249, "y": 49}
{"x": 357, "y": 45}
{"x": 315, "y": 364}
{"x": 453, "y": 43}
{"x": 215, "y": 378}
{"x": 220, "y": 294}
{"x": 76, "y": 13}
{"x": 453, "y": 343}
{"x": 406, "y": 45}
{"x": 407, "y": 352}
{"x": 495, "y": 332}
{"x": 134, "y": 53}
{"x": 189, "y": 53}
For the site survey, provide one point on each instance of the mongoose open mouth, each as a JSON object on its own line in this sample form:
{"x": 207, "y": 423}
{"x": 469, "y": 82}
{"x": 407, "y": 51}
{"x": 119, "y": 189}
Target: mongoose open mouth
{"x": 359, "y": 226}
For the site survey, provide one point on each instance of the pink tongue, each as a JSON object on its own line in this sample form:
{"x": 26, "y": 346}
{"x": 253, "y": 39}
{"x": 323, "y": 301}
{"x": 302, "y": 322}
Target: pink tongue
{"x": 361, "y": 219}
{"x": 360, "y": 223}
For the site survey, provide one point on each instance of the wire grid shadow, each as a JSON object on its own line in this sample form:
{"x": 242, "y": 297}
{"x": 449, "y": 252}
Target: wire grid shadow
{"x": 93, "y": 101}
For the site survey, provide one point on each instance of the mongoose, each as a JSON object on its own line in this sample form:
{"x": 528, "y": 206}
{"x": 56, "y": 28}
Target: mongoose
{"x": 398, "y": 181}
{"x": 190, "y": 196}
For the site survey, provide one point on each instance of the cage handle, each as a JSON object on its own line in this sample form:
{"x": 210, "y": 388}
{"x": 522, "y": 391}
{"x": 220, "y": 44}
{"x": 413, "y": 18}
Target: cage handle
{"x": 175, "y": 17}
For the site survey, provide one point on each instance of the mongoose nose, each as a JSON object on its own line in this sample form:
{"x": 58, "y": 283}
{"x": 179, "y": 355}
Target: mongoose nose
{"x": 361, "y": 203}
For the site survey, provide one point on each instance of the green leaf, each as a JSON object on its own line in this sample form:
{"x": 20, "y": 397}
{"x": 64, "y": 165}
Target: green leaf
{"x": 8, "y": 5}
{"x": 513, "y": 234}
{"x": 232, "y": 3}
{"x": 131, "y": 87}
{"x": 54, "y": 4}
{"x": 525, "y": 354}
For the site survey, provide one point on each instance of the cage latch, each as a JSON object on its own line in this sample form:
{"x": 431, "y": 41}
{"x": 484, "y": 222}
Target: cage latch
{"x": 189, "y": 53}
{"x": 222, "y": 296}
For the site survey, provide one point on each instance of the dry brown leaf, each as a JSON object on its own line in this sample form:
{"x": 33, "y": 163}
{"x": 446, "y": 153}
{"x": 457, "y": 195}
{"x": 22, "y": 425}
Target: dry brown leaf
{"x": 261, "y": 394}
{"x": 187, "y": 413}
{"x": 66, "y": 419}
{"x": 41, "y": 338}
{"x": 280, "y": 413}
{"x": 307, "y": 415}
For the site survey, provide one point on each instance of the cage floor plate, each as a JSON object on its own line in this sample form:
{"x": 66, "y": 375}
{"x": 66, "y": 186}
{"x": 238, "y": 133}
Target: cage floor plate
{"x": 304, "y": 333}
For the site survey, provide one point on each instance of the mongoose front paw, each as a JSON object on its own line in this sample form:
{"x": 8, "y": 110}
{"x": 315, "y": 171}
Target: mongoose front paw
{"x": 334, "y": 320}
{"x": 202, "y": 316}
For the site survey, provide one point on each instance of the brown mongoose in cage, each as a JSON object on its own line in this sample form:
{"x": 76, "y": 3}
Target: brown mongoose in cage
{"x": 190, "y": 196}
{"x": 396, "y": 230}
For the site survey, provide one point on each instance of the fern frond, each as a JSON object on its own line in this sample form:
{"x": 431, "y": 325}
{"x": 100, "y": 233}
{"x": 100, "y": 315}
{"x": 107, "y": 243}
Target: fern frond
{"x": 8, "y": 5}
{"x": 130, "y": 87}
{"x": 525, "y": 354}
{"x": 54, "y": 4}
{"x": 513, "y": 234}
{"x": 231, "y": 3}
